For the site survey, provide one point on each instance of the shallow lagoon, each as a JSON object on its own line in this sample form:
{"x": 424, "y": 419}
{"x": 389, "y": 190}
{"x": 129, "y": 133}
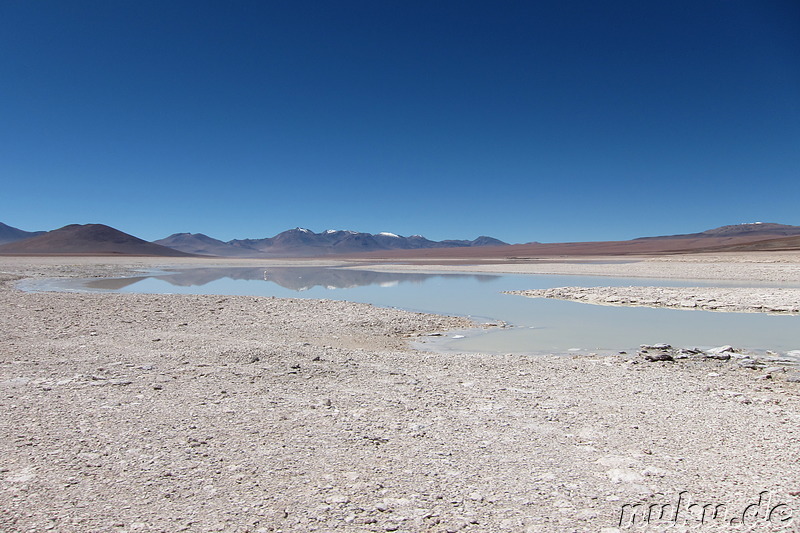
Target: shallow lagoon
{"x": 535, "y": 325}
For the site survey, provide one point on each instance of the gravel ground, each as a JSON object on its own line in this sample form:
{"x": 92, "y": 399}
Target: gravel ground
{"x": 127, "y": 412}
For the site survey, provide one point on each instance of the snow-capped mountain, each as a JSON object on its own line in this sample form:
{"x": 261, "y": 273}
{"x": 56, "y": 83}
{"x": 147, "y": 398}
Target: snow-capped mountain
{"x": 304, "y": 242}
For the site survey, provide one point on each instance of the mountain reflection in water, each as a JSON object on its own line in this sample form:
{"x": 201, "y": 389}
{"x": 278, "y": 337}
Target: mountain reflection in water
{"x": 537, "y": 325}
{"x": 292, "y": 278}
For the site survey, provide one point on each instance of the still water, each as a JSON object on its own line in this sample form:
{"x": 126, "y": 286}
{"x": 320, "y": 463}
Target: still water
{"x": 535, "y": 325}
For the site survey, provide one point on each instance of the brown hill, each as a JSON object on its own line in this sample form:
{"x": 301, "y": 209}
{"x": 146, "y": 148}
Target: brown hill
{"x": 87, "y": 239}
{"x": 756, "y": 230}
{"x": 649, "y": 246}
{"x": 782, "y": 244}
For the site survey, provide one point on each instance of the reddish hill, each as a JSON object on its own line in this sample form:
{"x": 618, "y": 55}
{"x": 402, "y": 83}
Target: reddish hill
{"x": 756, "y": 230}
{"x": 750, "y": 237}
{"x": 87, "y": 239}
{"x": 783, "y": 244}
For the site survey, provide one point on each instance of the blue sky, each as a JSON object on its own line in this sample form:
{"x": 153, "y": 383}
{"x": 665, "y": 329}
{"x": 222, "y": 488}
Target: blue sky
{"x": 546, "y": 121}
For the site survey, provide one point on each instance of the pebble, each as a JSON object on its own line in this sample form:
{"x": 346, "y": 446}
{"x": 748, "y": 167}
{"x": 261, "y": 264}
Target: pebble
{"x": 721, "y": 349}
{"x": 337, "y": 499}
{"x": 657, "y": 346}
{"x": 749, "y": 363}
{"x": 658, "y": 357}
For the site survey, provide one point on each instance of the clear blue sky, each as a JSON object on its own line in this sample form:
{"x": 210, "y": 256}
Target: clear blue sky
{"x": 548, "y": 121}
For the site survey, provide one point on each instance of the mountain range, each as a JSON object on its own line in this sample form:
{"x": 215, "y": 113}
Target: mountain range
{"x": 301, "y": 242}
{"x": 298, "y": 242}
{"x": 99, "y": 239}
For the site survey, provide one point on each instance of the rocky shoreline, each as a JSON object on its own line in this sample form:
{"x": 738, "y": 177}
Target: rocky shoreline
{"x": 729, "y": 299}
{"x": 770, "y": 363}
{"x": 128, "y": 413}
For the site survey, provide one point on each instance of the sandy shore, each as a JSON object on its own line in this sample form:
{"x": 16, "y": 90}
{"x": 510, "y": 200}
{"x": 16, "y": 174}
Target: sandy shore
{"x": 203, "y": 413}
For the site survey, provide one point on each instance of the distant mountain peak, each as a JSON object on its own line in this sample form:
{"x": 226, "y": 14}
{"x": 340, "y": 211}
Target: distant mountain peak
{"x": 11, "y": 234}
{"x": 754, "y": 227}
{"x": 739, "y": 230}
{"x": 304, "y": 242}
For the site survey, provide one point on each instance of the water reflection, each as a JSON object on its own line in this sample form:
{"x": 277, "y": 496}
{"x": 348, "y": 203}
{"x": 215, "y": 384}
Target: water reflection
{"x": 539, "y": 325}
{"x": 292, "y": 278}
